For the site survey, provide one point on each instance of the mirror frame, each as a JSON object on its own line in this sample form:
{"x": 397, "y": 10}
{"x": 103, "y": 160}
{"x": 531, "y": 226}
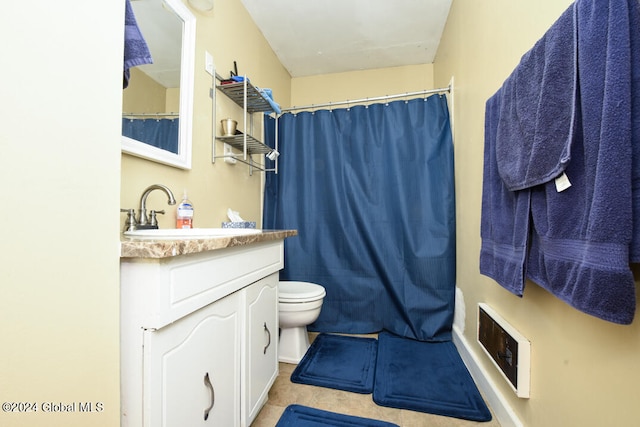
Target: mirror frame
{"x": 187, "y": 69}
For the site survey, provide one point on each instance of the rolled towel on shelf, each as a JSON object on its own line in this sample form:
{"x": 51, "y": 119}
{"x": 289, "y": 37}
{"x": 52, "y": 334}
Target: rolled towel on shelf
{"x": 268, "y": 95}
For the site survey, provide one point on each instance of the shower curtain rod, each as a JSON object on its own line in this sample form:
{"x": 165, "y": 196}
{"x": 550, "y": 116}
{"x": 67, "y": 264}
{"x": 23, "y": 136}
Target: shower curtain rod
{"x": 150, "y": 114}
{"x": 378, "y": 98}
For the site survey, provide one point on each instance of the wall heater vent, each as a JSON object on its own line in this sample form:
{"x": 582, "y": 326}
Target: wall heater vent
{"x": 507, "y": 348}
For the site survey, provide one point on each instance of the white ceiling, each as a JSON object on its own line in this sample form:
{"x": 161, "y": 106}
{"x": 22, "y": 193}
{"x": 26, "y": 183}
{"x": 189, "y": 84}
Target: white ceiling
{"x": 162, "y": 30}
{"x": 313, "y": 37}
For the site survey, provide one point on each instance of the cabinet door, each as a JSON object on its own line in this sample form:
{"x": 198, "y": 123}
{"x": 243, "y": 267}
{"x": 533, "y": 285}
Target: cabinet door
{"x": 192, "y": 369}
{"x": 261, "y": 363}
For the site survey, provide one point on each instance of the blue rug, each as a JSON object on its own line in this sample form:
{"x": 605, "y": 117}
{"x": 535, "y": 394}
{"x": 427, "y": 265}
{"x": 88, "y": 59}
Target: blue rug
{"x": 339, "y": 362}
{"x": 302, "y": 416}
{"x": 426, "y": 377}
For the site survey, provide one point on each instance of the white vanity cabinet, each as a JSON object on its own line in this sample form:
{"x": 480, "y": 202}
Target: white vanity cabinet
{"x": 199, "y": 336}
{"x": 260, "y": 367}
{"x": 191, "y": 368}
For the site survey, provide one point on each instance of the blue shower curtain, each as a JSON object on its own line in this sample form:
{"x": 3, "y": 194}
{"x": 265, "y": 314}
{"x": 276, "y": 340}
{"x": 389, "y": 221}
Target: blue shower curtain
{"x": 371, "y": 192}
{"x": 161, "y": 133}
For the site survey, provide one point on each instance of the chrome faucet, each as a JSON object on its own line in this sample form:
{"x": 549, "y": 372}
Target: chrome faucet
{"x": 143, "y": 220}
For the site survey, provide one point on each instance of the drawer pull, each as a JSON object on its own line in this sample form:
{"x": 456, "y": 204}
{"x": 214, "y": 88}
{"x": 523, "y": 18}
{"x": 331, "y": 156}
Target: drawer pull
{"x": 207, "y": 382}
{"x": 269, "y": 335}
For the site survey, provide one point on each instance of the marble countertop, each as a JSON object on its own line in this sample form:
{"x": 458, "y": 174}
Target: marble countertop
{"x": 148, "y": 248}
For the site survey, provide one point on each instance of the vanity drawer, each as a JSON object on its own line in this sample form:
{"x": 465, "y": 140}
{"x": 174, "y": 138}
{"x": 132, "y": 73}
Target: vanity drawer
{"x": 164, "y": 290}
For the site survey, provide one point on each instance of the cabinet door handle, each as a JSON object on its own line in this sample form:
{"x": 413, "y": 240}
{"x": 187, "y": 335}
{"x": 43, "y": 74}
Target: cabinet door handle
{"x": 207, "y": 382}
{"x": 269, "y": 335}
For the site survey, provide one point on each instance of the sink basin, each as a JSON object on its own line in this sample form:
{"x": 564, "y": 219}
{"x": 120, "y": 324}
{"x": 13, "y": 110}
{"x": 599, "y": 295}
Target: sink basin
{"x": 190, "y": 233}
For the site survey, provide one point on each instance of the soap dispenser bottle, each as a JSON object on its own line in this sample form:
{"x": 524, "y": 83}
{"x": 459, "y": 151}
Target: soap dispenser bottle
{"x": 184, "y": 213}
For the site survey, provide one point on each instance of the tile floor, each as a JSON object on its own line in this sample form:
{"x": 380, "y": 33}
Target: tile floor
{"x": 284, "y": 393}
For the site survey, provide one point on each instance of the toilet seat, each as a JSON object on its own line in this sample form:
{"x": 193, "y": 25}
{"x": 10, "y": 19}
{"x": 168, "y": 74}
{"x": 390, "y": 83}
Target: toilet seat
{"x": 297, "y": 292}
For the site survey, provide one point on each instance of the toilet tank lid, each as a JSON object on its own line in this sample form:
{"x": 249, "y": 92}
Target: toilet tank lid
{"x": 300, "y": 291}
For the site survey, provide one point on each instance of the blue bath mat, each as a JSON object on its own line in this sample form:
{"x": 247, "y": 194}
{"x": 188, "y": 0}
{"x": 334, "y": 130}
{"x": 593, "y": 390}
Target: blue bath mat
{"x": 302, "y": 416}
{"x": 340, "y": 362}
{"x": 426, "y": 377}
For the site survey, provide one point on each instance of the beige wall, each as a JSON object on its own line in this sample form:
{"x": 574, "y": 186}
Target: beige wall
{"x": 144, "y": 95}
{"x": 360, "y": 84}
{"x": 585, "y": 371}
{"x": 229, "y": 34}
{"x": 59, "y": 173}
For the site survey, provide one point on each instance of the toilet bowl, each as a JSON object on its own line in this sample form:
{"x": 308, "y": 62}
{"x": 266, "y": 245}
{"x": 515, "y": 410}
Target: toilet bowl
{"x": 299, "y": 305}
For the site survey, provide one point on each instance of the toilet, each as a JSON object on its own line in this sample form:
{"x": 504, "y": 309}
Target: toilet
{"x": 299, "y": 305}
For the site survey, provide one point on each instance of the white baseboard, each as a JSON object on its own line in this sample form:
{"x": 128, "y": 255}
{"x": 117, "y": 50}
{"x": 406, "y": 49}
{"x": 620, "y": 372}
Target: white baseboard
{"x": 501, "y": 409}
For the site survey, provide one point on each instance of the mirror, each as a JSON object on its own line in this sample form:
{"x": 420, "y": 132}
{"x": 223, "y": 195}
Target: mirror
{"x": 162, "y": 93}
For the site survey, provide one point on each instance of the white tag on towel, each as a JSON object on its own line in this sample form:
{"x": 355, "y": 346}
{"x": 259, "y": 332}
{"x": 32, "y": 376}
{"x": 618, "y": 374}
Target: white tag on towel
{"x": 562, "y": 182}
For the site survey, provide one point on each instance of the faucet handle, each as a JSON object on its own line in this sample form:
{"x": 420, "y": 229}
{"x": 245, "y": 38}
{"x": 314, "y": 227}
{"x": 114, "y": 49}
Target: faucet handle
{"x": 130, "y": 223}
{"x": 153, "y": 221}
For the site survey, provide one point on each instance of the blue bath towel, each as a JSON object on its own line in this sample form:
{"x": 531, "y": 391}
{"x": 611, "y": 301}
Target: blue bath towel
{"x": 504, "y": 226}
{"x": 537, "y": 109}
{"x": 136, "y": 51}
{"x": 581, "y": 238}
{"x": 635, "y": 131}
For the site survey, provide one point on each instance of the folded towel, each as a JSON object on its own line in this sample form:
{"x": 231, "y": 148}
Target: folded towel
{"x": 534, "y": 135}
{"x": 580, "y": 238}
{"x": 136, "y": 51}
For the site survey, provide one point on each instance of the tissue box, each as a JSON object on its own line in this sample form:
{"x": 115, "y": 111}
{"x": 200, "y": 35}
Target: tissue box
{"x": 242, "y": 224}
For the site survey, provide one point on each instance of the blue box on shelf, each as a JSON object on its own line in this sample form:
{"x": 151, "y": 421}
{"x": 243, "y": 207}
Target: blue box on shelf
{"x": 241, "y": 224}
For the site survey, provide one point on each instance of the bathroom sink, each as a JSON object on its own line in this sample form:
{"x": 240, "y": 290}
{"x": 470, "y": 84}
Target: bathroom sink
{"x": 190, "y": 233}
